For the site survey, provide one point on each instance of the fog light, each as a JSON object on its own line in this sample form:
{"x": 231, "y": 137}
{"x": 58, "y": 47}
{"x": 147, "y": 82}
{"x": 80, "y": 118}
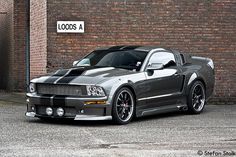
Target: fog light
{"x": 32, "y": 108}
{"x": 49, "y": 111}
{"x": 60, "y": 111}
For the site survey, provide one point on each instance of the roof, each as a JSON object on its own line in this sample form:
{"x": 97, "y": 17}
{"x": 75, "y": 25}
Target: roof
{"x": 132, "y": 47}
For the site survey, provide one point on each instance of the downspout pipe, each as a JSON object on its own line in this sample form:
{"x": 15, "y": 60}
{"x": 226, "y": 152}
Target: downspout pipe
{"x": 27, "y": 44}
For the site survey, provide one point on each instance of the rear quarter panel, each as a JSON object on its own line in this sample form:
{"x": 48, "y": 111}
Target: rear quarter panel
{"x": 199, "y": 68}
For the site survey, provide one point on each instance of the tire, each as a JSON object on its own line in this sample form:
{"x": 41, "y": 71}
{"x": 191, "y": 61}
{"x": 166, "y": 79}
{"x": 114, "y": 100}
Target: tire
{"x": 123, "y": 108}
{"x": 197, "y": 98}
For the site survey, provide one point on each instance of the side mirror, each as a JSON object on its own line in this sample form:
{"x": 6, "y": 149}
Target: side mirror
{"x": 155, "y": 66}
{"x": 75, "y": 62}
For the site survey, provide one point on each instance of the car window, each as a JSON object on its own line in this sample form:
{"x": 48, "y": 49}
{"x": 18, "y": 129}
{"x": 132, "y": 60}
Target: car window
{"x": 162, "y": 57}
{"x": 131, "y": 59}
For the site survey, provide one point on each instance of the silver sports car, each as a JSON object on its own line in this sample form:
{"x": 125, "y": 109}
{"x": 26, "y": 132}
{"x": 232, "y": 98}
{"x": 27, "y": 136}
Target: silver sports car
{"x": 123, "y": 82}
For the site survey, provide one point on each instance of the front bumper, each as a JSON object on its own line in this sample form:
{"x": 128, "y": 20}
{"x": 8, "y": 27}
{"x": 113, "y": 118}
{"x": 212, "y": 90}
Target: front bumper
{"x": 77, "y": 117}
{"x": 74, "y": 107}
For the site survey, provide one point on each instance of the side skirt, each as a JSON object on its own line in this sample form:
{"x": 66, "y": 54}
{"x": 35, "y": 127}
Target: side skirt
{"x": 162, "y": 109}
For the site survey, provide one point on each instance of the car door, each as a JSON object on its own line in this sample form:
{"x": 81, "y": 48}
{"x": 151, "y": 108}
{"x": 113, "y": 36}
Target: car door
{"x": 163, "y": 85}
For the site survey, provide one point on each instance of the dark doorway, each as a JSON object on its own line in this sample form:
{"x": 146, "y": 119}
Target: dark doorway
{"x": 4, "y": 50}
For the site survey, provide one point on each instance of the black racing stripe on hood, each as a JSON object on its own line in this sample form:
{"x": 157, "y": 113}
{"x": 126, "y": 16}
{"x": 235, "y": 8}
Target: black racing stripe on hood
{"x": 74, "y": 73}
{"x": 51, "y": 79}
{"x": 55, "y": 76}
{"x": 71, "y": 75}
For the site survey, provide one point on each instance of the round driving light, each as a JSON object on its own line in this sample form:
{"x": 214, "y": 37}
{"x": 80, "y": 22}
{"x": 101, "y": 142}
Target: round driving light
{"x": 49, "y": 111}
{"x": 60, "y": 111}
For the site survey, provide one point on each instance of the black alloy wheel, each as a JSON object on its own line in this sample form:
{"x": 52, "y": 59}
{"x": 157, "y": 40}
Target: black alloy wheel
{"x": 196, "y": 98}
{"x": 123, "y": 106}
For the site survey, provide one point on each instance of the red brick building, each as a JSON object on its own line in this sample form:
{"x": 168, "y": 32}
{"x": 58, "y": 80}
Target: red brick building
{"x": 204, "y": 27}
{"x": 12, "y": 44}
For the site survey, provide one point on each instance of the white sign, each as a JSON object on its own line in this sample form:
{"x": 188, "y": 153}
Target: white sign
{"x": 70, "y": 26}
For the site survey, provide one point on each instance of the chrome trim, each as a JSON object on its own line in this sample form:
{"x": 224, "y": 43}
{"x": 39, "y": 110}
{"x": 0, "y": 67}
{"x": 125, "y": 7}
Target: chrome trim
{"x": 30, "y": 114}
{"x": 92, "y": 117}
{"x": 153, "y": 97}
{"x": 192, "y": 78}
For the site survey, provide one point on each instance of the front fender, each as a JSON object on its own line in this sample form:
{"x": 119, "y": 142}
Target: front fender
{"x": 112, "y": 86}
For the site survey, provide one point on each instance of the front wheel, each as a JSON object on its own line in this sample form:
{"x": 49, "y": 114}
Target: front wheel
{"x": 123, "y": 106}
{"x": 196, "y": 98}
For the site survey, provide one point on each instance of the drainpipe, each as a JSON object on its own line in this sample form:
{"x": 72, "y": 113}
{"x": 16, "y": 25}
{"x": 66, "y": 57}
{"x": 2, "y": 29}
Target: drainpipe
{"x": 27, "y": 44}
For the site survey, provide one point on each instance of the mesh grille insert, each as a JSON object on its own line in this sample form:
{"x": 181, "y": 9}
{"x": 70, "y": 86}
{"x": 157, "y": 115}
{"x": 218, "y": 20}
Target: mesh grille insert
{"x": 54, "y": 89}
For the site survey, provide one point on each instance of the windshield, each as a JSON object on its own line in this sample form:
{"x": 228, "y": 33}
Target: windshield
{"x": 131, "y": 59}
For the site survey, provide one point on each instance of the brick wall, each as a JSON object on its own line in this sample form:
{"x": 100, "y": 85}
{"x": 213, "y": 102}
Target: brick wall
{"x": 17, "y": 80}
{"x": 38, "y": 37}
{"x": 204, "y": 27}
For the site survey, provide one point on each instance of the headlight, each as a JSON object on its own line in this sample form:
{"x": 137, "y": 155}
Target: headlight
{"x": 32, "y": 88}
{"x": 95, "y": 90}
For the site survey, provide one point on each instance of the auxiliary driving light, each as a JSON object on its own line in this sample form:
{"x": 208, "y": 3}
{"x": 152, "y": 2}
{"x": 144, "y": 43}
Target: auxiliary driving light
{"x": 49, "y": 111}
{"x": 60, "y": 111}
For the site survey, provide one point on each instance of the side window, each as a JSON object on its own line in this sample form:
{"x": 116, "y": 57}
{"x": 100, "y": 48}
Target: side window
{"x": 163, "y": 58}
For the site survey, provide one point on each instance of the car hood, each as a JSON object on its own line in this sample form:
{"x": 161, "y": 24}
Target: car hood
{"x": 83, "y": 75}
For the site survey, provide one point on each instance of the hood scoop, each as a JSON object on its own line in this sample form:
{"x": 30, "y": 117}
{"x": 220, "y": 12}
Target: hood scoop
{"x": 69, "y": 72}
{"x": 76, "y": 72}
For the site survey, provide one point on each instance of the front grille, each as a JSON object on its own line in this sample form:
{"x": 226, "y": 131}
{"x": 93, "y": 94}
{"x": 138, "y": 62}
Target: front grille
{"x": 54, "y": 89}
